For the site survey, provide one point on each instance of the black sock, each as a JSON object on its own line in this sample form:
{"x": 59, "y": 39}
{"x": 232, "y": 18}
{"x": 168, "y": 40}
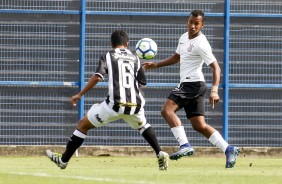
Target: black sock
{"x": 72, "y": 145}
{"x": 150, "y": 136}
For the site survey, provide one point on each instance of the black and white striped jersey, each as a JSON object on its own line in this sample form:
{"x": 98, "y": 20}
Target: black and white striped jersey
{"x": 125, "y": 75}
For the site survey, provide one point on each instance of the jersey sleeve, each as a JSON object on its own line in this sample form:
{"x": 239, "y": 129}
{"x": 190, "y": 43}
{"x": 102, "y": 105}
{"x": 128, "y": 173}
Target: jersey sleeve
{"x": 206, "y": 53}
{"x": 181, "y": 40}
{"x": 141, "y": 78}
{"x": 102, "y": 68}
{"x": 177, "y": 51}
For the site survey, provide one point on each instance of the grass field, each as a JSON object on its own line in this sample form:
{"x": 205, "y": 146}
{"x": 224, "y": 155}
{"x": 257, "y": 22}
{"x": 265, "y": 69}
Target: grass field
{"x": 140, "y": 170}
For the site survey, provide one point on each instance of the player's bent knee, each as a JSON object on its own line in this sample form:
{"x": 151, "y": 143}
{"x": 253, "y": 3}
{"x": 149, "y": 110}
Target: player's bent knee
{"x": 199, "y": 127}
{"x": 165, "y": 113}
{"x": 142, "y": 129}
{"x": 84, "y": 125}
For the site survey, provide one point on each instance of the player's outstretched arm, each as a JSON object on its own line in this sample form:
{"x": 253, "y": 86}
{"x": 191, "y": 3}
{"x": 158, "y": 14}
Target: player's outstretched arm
{"x": 166, "y": 62}
{"x": 149, "y": 65}
{"x": 91, "y": 83}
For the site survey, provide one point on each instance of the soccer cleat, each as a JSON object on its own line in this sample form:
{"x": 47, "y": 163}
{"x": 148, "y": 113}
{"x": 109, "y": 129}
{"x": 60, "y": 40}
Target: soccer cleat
{"x": 56, "y": 158}
{"x": 163, "y": 160}
{"x": 231, "y": 154}
{"x": 183, "y": 151}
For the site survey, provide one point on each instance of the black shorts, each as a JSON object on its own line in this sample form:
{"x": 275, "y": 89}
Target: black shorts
{"x": 191, "y": 96}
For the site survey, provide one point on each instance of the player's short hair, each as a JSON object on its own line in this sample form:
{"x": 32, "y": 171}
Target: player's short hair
{"x": 196, "y": 13}
{"x": 119, "y": 37}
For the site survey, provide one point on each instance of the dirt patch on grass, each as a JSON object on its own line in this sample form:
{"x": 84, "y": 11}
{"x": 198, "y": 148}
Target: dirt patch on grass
{"x": 272, "y": 152}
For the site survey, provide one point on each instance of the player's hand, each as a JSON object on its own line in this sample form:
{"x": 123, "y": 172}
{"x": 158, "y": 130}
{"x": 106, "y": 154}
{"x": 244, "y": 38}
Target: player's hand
{"x": 149, "y": 65}
{"x": 214, "y": 98}
{"x": 74, "y": 99}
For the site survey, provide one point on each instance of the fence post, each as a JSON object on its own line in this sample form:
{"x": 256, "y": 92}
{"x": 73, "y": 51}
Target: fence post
{"x": 82, "y": 55}
{"x": 226, "y": 70}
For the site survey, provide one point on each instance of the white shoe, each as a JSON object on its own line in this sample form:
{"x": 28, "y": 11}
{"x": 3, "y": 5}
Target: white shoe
{"x": 56, "y": 158}
{"x": 186, "y": 151}
{"x": 163, "y": 160}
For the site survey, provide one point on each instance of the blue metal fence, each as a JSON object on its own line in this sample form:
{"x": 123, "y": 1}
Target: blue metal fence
{"x": 55, "y": 46}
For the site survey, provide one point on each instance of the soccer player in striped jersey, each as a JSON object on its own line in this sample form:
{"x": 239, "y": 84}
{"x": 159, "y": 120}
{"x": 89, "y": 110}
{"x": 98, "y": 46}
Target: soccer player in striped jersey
{"x": 192, "y": 52}
{"x": 124, "y": 100}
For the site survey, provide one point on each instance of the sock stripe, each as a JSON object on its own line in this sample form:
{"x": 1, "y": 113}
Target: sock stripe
{"x": 79, "y": 134}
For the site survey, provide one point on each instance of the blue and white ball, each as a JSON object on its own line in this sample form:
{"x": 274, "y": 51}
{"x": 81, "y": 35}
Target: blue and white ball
{"x": 146, "y": 48}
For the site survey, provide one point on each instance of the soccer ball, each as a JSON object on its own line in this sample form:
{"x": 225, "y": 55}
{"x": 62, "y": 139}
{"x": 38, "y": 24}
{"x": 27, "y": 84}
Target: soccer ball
{"x": 146, "y": 48}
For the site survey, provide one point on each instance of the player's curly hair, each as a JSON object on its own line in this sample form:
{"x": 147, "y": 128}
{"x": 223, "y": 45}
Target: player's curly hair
{"x": 196, "y": 13}
{"x": 119, "y": 37}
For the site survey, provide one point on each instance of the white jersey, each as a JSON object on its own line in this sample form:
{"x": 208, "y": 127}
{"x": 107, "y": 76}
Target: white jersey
{"x": 193, "y": 53}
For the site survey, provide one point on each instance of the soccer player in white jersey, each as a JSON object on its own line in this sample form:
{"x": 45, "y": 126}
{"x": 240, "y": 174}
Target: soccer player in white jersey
{"x": 124, "y": 100}
{"x": 192, "y": 52}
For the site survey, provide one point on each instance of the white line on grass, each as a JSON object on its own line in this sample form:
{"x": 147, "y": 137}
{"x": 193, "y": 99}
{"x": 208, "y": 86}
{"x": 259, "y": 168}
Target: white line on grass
{"x": 87, "y": 178}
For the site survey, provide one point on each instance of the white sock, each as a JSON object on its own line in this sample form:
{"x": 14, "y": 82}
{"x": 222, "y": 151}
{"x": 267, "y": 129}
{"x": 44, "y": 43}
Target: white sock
{"x": 79, "y": 134}
{"x": 217, "y": 140}
{"x": 179, "y": 134}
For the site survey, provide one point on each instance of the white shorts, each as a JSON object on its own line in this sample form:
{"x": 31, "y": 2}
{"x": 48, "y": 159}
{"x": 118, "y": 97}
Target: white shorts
{"x": 101, "y": 114}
